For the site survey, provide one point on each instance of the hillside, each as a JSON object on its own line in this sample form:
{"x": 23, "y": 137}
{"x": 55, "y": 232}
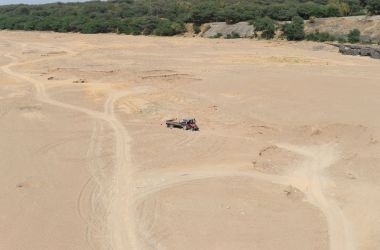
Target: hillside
{"x": 167, "y": 17}
{"x": 369, "y": 26}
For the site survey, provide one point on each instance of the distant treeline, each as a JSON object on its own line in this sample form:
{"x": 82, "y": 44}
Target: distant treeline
{"x": 168, "y": 17}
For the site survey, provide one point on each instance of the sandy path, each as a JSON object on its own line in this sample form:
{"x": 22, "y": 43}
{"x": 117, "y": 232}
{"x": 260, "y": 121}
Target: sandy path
{"x": 119, "y": 189}
{"x": 308, "y": 178}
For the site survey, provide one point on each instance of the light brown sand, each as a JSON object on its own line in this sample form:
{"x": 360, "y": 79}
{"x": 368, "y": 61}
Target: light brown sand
{"x": 286, "y": 158}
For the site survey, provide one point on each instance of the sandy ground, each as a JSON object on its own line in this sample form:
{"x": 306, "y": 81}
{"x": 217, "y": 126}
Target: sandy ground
{"x": 286, "y": 156}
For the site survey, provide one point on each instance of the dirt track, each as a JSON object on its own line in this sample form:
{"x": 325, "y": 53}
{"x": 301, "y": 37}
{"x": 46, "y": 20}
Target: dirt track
{"x": 285, "y": 159}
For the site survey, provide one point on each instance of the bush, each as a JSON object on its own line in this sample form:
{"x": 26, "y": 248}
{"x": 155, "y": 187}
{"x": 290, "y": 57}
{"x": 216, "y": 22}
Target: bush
{"x": 331, "y": 10}
{"x": 320, "y": 37}
{"x": 280, "y": 12}
{"x": 267, "y": 26}
{"x": 353, "y": 36}
{"x": 374, "y": 7}
{"x": 354, "y": 7}
{"x": 168, "y": 28}
{"x": 197, "y": 29}
{"x": 294, "y": 31}
{"x": 310, "y": 9}
{"x": 342, "y": 39}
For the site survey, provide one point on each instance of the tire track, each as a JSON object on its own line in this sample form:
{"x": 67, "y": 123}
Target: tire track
{"x": 121, "y": 178}
{"x": 308, "y": 178}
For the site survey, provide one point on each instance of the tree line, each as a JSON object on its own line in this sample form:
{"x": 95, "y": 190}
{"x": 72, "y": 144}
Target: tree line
{"x": 168, "y": 17}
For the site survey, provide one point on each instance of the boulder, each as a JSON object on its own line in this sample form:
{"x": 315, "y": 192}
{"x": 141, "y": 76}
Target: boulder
{"x": 359, "y": 50}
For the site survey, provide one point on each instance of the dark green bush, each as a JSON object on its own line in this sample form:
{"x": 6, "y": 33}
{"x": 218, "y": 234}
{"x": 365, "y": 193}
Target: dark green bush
{"x": 374, "y": 7}
{"x": 281, "y": 12}
{"x": 164, "y": 28}
{"x": 266, "y": 25}
{"x": 197, "y": 29}
{"x": 294, "y": 31}
{"x": 342, "y": 39}
{"x": 354, "y": 36}
{"x": 310, "y": 9}
{"x": 320, "y": 37}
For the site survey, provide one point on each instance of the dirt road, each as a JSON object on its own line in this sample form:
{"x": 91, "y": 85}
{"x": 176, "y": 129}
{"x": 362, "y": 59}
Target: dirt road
{"x": 118, "y": 192}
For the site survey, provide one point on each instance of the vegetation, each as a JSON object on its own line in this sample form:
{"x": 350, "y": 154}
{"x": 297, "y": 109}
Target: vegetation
{"x": 197, "y": 29}
{"x": 374, "y": 7}
{"x": 320, "y": 37}
{"x": 354, "y": 36}
{"x": 167, "y": 17}
{"x": 294, "y": 31}
{"x": 267, "y": 27}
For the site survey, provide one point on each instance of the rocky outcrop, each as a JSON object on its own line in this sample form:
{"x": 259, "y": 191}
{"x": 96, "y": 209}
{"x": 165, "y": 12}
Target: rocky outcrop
{"x": 243, "y": 29}
{"x": 360, "y": 50}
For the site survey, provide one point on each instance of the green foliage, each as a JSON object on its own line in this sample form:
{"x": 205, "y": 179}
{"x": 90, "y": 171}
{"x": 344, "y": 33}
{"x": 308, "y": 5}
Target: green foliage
{"x": 167, "y": 17}
{"x": 374, "y": 7}
{"x": 168, "y": 28}
{"x": 342, "y": 39}
{"x": 354, "y": 7}
{"x": 294, "y": 31}
{"x": 310, "y": 9}
{"x": 320, "y": 37}
{"x": 280, "y": 12}
{"x": 197, "y": 29}
{"x": 267, "y": 27}
{"x": 332, "y": 10}
{"x": 354, "y": 36}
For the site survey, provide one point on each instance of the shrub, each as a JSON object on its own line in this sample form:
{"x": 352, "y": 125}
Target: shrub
{"x": 353, "y": 36}
{"x": 197, "y": 29}
{"x": 354, "y": 6}
{"x": 267, "y": 26}
{"x": 320, "y": 37}
{"x": 310, "y": 9}
{"x": 168, "y": 28}
{"x": 294, "y": 31}
{"x": 342, "y": 39}
{"x": 374, "y": 7}
{"x": 331, "y": 10}
{"x": 280, "y": 12}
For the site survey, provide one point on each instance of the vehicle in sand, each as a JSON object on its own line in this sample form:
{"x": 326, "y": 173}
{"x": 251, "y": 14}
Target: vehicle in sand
{"x": 186, "y": 124}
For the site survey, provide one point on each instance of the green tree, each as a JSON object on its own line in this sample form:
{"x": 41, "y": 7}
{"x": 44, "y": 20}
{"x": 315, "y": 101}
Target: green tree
{"x": 310, "y": 9}
{"x": 294, "y": 31}
{"x": 374, "y": 7}
{"x": 266, "y": 25}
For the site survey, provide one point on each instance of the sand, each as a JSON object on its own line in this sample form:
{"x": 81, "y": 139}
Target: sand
{"x": 286, "y": 156}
